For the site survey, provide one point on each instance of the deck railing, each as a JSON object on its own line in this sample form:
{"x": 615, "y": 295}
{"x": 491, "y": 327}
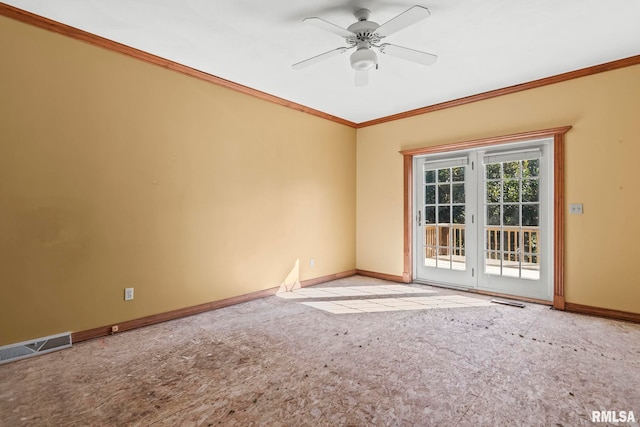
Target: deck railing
{"x": 506, "y": 242}
{"x": 438, "y": 243}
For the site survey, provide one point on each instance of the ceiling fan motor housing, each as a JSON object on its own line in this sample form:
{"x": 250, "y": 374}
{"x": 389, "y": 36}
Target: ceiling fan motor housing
{"x": 364, "y": 58}
{"x": 364, "y": 31}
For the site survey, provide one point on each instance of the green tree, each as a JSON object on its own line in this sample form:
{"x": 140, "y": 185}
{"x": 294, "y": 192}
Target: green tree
{"x": 513, "y": 198}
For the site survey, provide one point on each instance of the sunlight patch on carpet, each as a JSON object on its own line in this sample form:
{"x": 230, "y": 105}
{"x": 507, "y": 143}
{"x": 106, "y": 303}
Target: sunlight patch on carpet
{"x": 397, "y": 304}
{"x": 352, "y": 291}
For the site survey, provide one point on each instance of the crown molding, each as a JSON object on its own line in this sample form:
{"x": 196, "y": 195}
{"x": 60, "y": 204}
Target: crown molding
{"x": 95, "y": 40}
{"x": 583, "y": 72}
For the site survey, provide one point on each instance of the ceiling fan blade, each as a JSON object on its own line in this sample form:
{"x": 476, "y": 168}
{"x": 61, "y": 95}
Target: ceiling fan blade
{"x": 362, "y": 77}
{"x": 405, "y": 19}
{"x": 319, "y": 58}
{"x": 413, "y": 55}
{"x": 328, "y": 26}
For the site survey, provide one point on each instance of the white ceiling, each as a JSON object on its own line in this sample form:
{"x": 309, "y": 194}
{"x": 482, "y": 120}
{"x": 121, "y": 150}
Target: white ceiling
{"x": 481, "y": 44}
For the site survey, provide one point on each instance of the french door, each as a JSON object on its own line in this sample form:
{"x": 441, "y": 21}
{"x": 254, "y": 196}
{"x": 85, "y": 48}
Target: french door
{"x": 483, "y": 219}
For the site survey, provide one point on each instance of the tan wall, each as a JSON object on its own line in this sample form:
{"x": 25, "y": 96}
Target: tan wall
{"x": 602, "y": 152}
{"x": 115, "y": 173}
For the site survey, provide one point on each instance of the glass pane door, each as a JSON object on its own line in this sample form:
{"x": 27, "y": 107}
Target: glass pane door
{"x": 515, "y": 220}
{"x": 483, "y": 219}
{"x": 444, "y": 224}
{"x": 442, "y": 212}
{"x": 512, "y": 219}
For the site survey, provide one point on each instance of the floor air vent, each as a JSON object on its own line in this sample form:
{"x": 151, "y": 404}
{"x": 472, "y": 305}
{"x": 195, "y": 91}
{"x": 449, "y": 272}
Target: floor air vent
{"x": 21, "y": 350}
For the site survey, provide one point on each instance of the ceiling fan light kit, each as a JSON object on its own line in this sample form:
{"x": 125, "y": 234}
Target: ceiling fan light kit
{"x": 363, "y": 59}
{"x": 365, "y": 35}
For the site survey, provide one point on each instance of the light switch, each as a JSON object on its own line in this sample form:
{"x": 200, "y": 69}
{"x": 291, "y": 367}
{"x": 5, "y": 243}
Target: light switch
{"x": 575, "y": 208}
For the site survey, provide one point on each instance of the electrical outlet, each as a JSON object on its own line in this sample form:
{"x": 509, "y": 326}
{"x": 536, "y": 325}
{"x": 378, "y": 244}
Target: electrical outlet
{"x": 312, "y": 262}
{"x": 128, "y": 294}
{"x": 575, "y": 208}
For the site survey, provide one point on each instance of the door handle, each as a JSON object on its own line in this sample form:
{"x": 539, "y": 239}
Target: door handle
{"x": 419, "y": 218}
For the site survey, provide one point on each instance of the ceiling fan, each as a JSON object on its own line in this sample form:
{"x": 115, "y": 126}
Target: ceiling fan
{"x": 365, "y": 35}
